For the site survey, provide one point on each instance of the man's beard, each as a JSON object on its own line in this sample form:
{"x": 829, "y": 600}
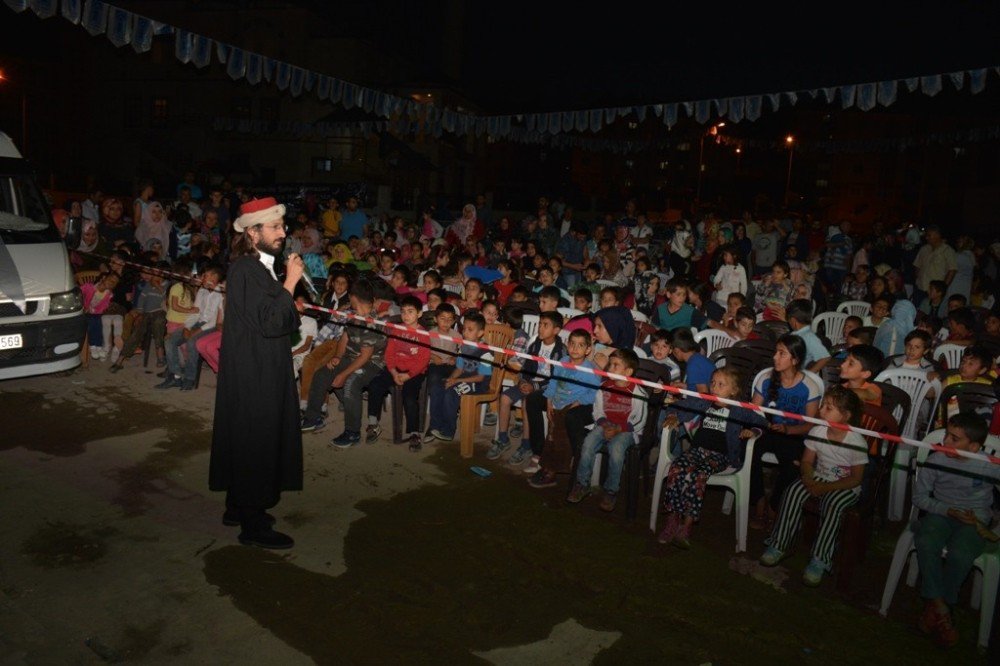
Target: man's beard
{"x": 274, "y": 250}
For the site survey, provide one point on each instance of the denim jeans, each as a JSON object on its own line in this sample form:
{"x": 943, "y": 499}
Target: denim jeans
{"x": 445, "y": 403}
{"x": 350, "y": 394}
{"x": 172, "y": 345}
{"x": 941, "y": 578}
{"x": 616, "y": 448}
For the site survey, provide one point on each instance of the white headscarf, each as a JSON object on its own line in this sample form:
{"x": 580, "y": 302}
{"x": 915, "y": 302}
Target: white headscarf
{"x": 149, "y": 228}
{"x": 84, "y": 247}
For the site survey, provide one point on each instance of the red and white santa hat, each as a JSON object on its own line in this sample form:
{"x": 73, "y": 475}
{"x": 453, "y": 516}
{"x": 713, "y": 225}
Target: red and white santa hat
{"x": 259, "y": 211}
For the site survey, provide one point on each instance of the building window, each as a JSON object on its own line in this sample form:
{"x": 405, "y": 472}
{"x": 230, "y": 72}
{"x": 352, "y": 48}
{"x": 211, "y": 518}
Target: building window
{"x": 160, "y": 112}
{"x": 322, "y": 165}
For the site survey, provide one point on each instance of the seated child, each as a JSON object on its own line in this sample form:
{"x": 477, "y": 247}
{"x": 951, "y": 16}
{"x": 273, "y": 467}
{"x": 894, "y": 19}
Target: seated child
{"x": 955, "y": 496}
{"x": 548, "y": 299}
{"x": 591, "y": 274}
{"x": 406, "y": 359}
{"x": 918, "y": 345}
{"x": 359, "y": 357}
{"x": 744, "y": 323}
{"x": 934, "y": 304}
{"x": 717, "y": 445}
{"x": 207, "y": 303}
{"x": 528, "y": 390}
{"x": 583, "y": 300}
{"x": 491, "y": 312}
{"x": 856, "y": 372}
{"x": 569, "y": 396}
{"x": 961, "y": 327}
{"x": 881, "y": 307}
{"x": 473, "y": 368}
{"x": 799, "y": 315}
{"x": 472, "y": 295}
{"x": 619, "y": 417}
{"x": 832, "y": 469}
{"x": 150, "y": 303}
{"x": 661, "y": 349}
{"x": 699, "y": 368}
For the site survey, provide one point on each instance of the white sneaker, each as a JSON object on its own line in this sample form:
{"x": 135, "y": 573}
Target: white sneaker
{"x": 532, "y": 466}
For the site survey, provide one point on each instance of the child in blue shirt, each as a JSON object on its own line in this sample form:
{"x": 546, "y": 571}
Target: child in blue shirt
{"x": 473, "y": 368}
{"x": 570, "y": 395}
{"x": 699, "y": 368}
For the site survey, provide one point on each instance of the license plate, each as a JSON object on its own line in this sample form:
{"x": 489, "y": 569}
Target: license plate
{"x": 11, "y": 341}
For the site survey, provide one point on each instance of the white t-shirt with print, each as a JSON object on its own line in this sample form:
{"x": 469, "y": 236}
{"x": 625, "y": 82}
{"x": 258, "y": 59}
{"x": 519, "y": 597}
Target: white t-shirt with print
{"x": 834, "y": 460}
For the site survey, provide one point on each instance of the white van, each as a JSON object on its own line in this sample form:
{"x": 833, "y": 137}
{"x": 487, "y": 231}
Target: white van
{"x": 42, "y": 324}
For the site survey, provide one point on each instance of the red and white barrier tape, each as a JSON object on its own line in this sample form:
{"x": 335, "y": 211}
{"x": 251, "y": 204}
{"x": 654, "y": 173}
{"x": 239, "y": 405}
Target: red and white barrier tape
{"x": 662, "y": 387}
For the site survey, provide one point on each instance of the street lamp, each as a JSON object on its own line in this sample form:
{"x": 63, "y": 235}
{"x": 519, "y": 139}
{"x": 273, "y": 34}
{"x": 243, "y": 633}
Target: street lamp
{"x": 711, "y": 131}
{"x": 790, "y": 142}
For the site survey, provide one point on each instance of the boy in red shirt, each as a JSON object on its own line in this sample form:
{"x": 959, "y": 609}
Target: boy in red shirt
{"x": 619, "y": 417}
{"x": 406, "y": 358}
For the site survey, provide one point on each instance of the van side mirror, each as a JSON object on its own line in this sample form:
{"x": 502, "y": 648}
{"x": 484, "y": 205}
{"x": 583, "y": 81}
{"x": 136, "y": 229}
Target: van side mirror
{"x": 74, "y": 229}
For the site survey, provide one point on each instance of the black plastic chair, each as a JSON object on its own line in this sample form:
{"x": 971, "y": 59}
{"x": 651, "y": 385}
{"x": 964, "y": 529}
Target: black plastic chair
{"x": 971, "y": 397}
{"x": 896, "y": 401}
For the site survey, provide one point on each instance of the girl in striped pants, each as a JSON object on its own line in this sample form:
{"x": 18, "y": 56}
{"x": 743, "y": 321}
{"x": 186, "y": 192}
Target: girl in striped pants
{"x": 832, "y": 468}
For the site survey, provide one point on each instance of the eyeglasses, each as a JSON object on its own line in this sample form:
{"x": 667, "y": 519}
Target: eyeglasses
{"x": 276, "y": 227}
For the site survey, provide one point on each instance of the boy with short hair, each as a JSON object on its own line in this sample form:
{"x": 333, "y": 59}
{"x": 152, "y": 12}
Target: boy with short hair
{"x": 956, "y": 495}
{"x": 961, "y": 327}
{"x": 610, "y": 297}
{"x": 698, "y": 376}
{"x": 533, "y": 378}
{"x": 570, "y": 398}
{"x": 974, "y": 369}
{"x": 745, "y": 320}
{"x": 661, "y": 349}
{"x": 548, "y": 299}
{"x": 473, "y": 369}
{"x": 583, "y": 300}
{"x": 934, "y": 304}
{"x": 799, "y": 316}
{"x": 407, "y": 356}
{"x": 591, "y": 274}
{"x": 359, "y": 357}
{"x": 619, "y": 417}
{"x": 862, "y": 363}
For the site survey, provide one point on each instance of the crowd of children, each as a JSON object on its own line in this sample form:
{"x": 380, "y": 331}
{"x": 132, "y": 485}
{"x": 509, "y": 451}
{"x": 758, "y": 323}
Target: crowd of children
{"x": 617, "y": 303}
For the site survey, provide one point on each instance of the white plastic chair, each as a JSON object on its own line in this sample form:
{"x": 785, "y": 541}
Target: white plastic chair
{"x": 952, "y": 355}
{"x": 640, "y": 352}
{"x": 569, "y": 313}
{"x": 736, "y": 481}
{"x": 856, "y": 308}
{"x": 607, "y": 283}
{"x": 985, "y": 568}
{"x": 714, "y": 340}
{"x": 638, "y": 316}
{"x": 529, "y": 324}
{"x": 833, "y": 325}
{"x": 916, "y": 384}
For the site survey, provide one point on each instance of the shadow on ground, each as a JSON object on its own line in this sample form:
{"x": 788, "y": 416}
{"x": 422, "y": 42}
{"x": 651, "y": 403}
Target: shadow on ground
{"x": 476, "y": 564}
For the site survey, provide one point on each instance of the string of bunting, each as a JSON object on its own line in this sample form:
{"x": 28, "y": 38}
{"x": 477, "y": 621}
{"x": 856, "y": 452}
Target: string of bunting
{"x": 123, "y": 27}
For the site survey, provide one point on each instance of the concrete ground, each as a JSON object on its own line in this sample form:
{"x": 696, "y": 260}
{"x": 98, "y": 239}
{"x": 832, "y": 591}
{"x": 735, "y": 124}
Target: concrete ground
{"x": 114, "y": 551}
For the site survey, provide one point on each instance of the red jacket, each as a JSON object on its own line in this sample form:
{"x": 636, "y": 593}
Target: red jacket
{"x": 407, "y": 352}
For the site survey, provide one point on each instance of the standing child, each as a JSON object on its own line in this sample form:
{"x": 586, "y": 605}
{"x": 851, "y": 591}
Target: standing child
{"x": 730, "y": 278}
{"x": 407, "y": 356}
{"x": 832, "y": 468}
{"x": 473, "y": 369}
{"x": 96, "y": 299}
{"x": 180, "y": 298}
{"x": 716, "y": 446}
{"x": 956, "y": 495}
{"x": 619, "y": 417}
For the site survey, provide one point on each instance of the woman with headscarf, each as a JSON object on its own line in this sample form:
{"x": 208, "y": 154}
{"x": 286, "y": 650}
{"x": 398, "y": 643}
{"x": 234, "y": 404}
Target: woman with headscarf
{"x": 89, "y": 254}
{"x": 614, "y": 328}
{"x": 891, "y": 335}
{"x": 339, "y": 253}
{"x": 465, "y": 227}
{"x": 647, "y": 285}
{"x": 311, "y": 248}
{"x": 113, "y": 226}
{"x": 153, "y": 226}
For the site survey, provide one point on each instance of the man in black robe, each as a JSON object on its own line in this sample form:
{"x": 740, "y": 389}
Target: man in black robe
{"x": 256, "y": 440}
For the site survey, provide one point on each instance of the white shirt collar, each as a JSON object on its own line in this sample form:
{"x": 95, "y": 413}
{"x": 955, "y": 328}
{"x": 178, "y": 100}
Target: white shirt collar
{"x": 268, "y": 261}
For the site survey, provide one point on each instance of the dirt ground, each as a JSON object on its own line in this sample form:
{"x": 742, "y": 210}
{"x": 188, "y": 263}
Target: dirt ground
{"x": 114, "y": 550}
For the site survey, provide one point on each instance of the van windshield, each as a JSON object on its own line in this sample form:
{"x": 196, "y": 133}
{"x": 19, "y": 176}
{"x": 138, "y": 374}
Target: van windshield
{"x": 24, "y": 215}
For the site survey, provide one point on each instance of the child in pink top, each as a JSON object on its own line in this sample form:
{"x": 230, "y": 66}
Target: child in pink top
{"x": 96, "y": 299}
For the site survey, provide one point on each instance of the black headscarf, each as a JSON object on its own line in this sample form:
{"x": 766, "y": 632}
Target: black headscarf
{"x": 620, "y": 325}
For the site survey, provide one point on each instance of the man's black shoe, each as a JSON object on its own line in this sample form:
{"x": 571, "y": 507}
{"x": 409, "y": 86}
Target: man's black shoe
{"x": 267, "y": 538}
